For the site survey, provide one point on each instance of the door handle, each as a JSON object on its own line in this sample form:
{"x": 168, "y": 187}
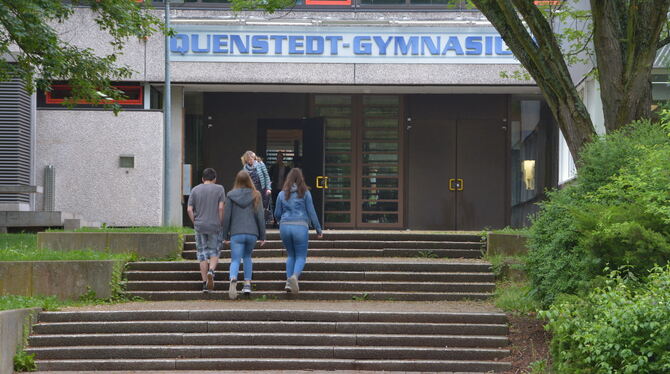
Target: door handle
{"x": 323, "y": 179}
{"x": 456, "y": 184}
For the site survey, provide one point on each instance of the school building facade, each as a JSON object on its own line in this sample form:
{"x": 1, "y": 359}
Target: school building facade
{"x": 397, "y": 112}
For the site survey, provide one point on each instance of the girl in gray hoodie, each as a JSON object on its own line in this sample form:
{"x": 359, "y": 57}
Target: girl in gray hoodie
{"x": 243, "y": 226}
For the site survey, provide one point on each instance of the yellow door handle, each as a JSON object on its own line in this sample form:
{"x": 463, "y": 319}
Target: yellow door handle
{"x": 323, "y": 179}
{"x": 459, "y": 186}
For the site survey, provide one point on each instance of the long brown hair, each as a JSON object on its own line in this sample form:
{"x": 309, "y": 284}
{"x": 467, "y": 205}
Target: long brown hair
{"x": 294, "y": 177}
{"x": 243, "y": 180}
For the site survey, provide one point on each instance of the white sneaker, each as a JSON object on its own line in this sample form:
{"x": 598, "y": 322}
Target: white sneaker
{"x": 293, "y": 284}
{"x": 232, "y": 290}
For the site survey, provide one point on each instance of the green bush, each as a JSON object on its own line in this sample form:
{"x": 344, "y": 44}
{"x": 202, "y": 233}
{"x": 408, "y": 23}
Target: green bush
{"x": 616, "y": 213}
{"x": 619, "y": 328}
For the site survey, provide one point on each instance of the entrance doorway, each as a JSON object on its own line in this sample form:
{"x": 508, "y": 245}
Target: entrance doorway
{"x": 301, "y": 142}
{"x": 458, "y": 163}
{"x": 364, "y": 159}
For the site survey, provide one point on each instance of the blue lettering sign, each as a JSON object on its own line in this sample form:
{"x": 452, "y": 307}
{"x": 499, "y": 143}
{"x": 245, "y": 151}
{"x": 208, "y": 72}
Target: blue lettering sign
{"x": 220, "y": 43}
{"x": 453, "y": 44}
{"x": 237, "y": 42}
{"x": 403, "y": 46}
{"x": 259, "y": 44}
{"x": 362, "y": 45}
{"x": 295, "y": 43}
{"x": 382, "y": 44}
{"x": 333, "y": 40}
{"x": 473, "y": 45}
{"x": 314, "y": 45}
{"x": 499, "y": 47}
{"x": 427, "y": 42}
{"x": 195, "y": 45}
{"x": 278, "y": 39}
{"x": 179, "y": 43}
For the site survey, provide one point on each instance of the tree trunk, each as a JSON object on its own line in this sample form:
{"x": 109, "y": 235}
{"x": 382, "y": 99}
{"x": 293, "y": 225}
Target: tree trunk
{"x": 626, "y": 35}
{"x": 541, "y": 55}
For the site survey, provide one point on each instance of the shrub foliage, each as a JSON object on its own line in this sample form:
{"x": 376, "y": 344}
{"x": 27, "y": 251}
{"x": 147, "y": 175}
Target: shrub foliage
{"x": 616, "y": 213}
{"x": 621, "y": 327}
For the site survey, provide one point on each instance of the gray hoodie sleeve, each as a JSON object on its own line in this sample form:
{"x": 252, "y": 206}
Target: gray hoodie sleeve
{"x": 260, "y": 221}
{"x": 312, "y": 212}
{"x": 227, "y": 214}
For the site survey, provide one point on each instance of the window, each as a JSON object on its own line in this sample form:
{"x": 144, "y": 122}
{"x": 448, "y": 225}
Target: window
{"x": 60, "y": 92}
{"x": 455, "y": 5}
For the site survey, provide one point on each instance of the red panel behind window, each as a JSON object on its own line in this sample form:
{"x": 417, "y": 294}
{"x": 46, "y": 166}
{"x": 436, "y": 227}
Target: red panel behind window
{"x": 59, "y": 92}
{"x": 328, "y": 2}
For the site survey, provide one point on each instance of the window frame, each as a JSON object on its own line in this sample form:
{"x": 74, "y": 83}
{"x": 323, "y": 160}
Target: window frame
{"x": 134, "y": 102}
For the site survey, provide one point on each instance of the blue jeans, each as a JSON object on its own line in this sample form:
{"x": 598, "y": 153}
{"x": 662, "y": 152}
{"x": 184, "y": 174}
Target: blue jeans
{"x": 241, "y": 246}
{"x": 295, "y": 239}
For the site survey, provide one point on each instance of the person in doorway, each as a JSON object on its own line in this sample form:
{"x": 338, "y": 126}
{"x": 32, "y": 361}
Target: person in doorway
{"x": 253, "y": 165}
{"x": 295, "y": 213}
{"x": 278, "y": 173}
{"x": 243, "y": 226}
{"x": 205, "y": 208}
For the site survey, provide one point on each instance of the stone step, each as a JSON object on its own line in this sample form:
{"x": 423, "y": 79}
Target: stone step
{"x": 353, "y": 276}
{"x": 278, "y": 285}
{"x": 246, "y": 338}
{"x": 366, "y": 244}
{"x": 328, "y": 252}
{"x": 273, "y": 315}
{"x": 265, "y": 351}
{"x": 376, "y": 236}
{"x": 315, "y": 264}
{"x": 239, "y": 326}
{"x": 274, "y": 364}
{"x": 313, "y": 295}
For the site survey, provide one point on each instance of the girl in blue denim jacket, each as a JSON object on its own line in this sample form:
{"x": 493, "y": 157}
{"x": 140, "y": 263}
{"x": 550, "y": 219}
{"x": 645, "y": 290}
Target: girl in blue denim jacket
{"x": 295, "y": 213}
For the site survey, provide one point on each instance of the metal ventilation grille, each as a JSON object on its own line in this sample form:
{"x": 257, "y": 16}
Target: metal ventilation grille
{"x": 15, "y": 138}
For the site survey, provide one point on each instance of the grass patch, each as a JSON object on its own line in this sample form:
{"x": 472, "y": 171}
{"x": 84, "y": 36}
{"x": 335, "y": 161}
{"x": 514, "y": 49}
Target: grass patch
{"x": 23, "y": 247}
{"x": 509, "y": 230}
{"x": 515, "y": 298}
{"x": 8, "y": 302}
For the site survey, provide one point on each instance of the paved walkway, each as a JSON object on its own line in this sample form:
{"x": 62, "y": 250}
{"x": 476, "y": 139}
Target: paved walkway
{"x": 224, "y": 304}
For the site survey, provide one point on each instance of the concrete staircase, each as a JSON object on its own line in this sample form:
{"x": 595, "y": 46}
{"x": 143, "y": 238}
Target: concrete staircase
{"x": 390, "y": 266}
{"x": 270, "y": 340}
{"x": 329, "y": 334}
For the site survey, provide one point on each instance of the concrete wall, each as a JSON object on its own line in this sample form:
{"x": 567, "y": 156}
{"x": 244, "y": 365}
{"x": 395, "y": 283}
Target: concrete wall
{"x": 67, "y": 280}
{"x": 145, "y": 245}
{"x": 13, "y": 324}
{"x": 506, "y": 244}
{"x": 146, "y": 58}
{"x": 84, "y": 146}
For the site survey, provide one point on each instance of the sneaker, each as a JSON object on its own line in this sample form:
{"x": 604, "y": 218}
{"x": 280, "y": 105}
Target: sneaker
{"x": 232, "y": 290}
{"x": 287, "y": 288}
{"x": 204, "y": 287}
{"x": 210, "y": 279}
{"x": 246, "y": 289}
{"x": 293, "y": 284}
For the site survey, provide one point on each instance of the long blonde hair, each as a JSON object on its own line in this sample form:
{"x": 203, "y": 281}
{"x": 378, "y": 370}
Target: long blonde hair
{"x": 243, "y": 180}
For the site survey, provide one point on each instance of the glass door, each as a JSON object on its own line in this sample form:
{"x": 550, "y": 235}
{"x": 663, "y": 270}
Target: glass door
{"x": 363, "y": 153}
{"x": 380, "y": 171}
{"x": 337, "y": 112}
